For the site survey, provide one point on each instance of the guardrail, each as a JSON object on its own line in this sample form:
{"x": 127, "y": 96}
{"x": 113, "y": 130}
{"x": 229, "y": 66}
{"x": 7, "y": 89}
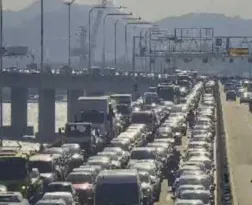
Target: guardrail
{"x": 224, "y": 188}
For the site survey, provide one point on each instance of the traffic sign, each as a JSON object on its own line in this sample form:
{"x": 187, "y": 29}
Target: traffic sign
{"x": 238, "y": 51}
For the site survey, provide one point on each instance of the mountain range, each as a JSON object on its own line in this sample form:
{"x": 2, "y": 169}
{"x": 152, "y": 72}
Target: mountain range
{"x": 23, "y": 28}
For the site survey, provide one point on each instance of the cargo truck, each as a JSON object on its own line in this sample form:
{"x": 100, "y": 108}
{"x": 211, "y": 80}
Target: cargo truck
{"x": 99, "y": 112}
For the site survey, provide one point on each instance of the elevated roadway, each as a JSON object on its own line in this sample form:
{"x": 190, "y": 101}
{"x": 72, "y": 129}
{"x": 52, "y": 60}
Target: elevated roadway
{"x": 103, "y": 83}
{"x": 238, "y": 129}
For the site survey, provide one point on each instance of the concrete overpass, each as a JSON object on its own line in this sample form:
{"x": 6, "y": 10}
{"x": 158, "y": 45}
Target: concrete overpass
{"x": 76, "y": 85}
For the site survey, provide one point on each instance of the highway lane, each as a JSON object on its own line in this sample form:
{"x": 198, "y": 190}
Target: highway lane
{"x": 238, "y": 127}
{"x": 165, "y": 196}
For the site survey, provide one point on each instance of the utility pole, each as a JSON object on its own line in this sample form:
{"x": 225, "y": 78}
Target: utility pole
{"x": 1, "y": 66}
{"x": 42, "y": 36}
{"x": 69, "y": 31}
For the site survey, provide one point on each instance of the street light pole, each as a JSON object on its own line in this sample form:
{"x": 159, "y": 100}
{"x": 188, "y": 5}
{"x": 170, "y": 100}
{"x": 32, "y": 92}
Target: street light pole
{"x": 42, "y": 36}
{"x": 69, "y": 31}
{"x": 1, "y": 66}
{"x": 104, "y": 34}
{"x": 126, "y": 37}
{"x": 89, "y": 31}
{"x": 115, "y": 35}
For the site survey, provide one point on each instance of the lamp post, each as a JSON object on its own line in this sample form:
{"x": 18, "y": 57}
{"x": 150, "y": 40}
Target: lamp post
{"x": 126, "y": 37}
{"x": 69, "y": 31}
{"x": 42, "y": 36}
{"x": 115, "y": 34}
{"x": 1, "y": 65}
{"x": 104, "y": 34}
{"x": 89, "y": 32}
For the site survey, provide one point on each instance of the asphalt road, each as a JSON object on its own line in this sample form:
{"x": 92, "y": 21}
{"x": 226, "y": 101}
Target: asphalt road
{"x": 165, "y": 196}
{"x": 238, "y": 127}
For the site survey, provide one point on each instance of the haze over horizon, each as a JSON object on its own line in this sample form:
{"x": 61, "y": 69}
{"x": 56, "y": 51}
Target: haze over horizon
{"x": 157, "y": 9}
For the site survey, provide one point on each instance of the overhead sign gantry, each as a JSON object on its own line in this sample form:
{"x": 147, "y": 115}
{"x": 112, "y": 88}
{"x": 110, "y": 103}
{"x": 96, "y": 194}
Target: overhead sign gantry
{"x": 190, "y": 43}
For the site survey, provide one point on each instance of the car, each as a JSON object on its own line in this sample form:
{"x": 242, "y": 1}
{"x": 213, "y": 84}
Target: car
{"x": 65, "y": 187}
{"x": 203, "y": 195}
{"x": 66, "y": 196}
{"x": 231, "y": 95}
{"x": 140, "y": 153}
{"x": 83, "y": 182}
{"x": 51, "y": 202}
{"x": 155, "y": 175}
{"x": 245, "y": 97}
{"x": 12, "y": 198}
{"x": 118, "y": 187}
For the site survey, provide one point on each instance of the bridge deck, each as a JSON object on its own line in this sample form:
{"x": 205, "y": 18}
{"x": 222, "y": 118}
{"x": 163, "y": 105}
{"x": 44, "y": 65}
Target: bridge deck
{"x": 238, "y": 127}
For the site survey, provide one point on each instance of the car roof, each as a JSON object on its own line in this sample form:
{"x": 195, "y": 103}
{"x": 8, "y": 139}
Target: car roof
{"x": 41, "y": 157}
{"x": 143, "y": 149}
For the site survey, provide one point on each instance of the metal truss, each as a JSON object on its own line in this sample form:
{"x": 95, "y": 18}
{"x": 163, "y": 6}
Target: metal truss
{"x": 188, "y": 44}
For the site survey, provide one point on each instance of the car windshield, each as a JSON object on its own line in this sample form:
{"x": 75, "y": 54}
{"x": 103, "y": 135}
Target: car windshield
{"x": 77, "y": 130}
{"x": 184, "y": 188}
{"x": 142, "y": 118}
{"x": 13, "y": 168}
{"x": 53, "y": 151}
{"x": 92, "y": 117}
{"x": 123, "y": 109}
{"x": 115, "y": 194}
{"x": 142, "y": 154}
{"x": 194, "y": 181}
{"x": 43, "y": 166}
{"x": 196, "y": 196}
{"x": 79, "y": 178}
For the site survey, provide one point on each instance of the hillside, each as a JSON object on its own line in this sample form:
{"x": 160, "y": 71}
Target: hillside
{"x": 23, "y": 28}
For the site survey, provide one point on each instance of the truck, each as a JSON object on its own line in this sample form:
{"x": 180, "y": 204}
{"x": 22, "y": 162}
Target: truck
{"x": 17, "y": 174}
{"x": 122, "y": 98}
{"x": 150, "y": 98}
{"x": 99, "y": 112}
{"x": 123, "y": 104}
{"x": 167, "y": 92}
{"x": 85, "y": 135}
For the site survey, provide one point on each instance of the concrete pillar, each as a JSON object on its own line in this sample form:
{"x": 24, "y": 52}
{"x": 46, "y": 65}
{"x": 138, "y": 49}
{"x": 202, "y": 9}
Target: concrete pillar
{"x": 46, "y": 114}
{"x": 72, "y": 97}
{"x": 19, "y": 98}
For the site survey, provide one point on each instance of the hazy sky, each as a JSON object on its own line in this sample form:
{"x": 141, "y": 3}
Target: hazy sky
{"x": 157, "y": 9}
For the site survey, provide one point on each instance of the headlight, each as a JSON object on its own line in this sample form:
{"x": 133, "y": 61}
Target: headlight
{"x": 23, "y": 188}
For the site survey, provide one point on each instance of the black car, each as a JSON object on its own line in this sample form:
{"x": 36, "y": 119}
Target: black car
{"x": 231, "y": 95}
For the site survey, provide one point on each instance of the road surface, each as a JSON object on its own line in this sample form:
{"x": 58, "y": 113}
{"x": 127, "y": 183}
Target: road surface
{"x": 165, "y": 196}
{"x": 238, "y": 127}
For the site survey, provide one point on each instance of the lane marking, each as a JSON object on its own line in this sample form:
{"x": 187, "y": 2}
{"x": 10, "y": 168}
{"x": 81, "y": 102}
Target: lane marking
{"x": 233, "y": 188}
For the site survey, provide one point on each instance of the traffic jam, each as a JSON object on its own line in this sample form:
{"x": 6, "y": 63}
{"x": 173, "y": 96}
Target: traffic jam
{"x": 119, "y": 151}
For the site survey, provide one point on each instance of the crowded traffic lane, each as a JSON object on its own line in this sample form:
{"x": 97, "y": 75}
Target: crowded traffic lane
{"x": 166, "y": 194}
{"x": 238, "y": 128}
